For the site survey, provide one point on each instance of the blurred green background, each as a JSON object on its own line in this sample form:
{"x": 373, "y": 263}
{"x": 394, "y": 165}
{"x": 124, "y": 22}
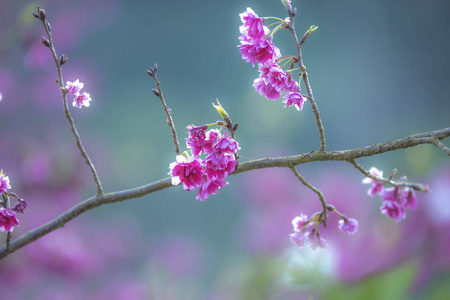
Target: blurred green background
{"x": 378, "y": 69}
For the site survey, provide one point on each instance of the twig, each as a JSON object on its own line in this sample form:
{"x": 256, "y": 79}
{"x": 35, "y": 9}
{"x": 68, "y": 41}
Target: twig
{"x": 315, "y": 110}
{"x": 315, "y": 190}
{"x": 8, "y": 239}
{"x": 66, "y": 107}
{"x": 440, "y": 145}
{"x": 159, "y": 93}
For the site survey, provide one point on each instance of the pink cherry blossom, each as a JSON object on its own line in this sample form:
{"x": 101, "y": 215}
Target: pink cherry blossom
{"x": 252, "y": 29}
{"x": 74, "y": 87}
{"x": 274, "y": 76}
{"x": 291, "y": 86}
{"x": 298, "y": 239}
{"x": 196, "y": 138}
{"x": 4, "y": 183}
{"x": 316, "y": 240}
{"x": 212, "y": 137}
{"x": 8, "y": 220}
{"x": 266, "y": 89}
{"x": 409, "y": 198}
{"x": 20, "y": 206}
{"x": 226, "y": 144}
{"x": 299, "y": 222}
{"x": 221, "y": 169}
{"x": 393, "y": 210}
{"x": 261, "y": 51}
{"x": 187, "y": 171}
{"x": 348, "y": 225}
{"x": 294, "y": 99}
{"x": 82, "y": 99}
{"x": 377, "y": 186}
{"x": 210, "y": 186}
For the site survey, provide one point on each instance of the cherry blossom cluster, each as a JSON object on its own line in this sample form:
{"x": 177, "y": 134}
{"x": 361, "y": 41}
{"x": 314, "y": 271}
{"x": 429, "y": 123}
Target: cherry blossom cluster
{"x": 307, "y": 230}
{"x": 74, "y": 88}
{"x": 257, "y": 47}
{"x": 8, "y": 219}
{"x": 206, "y": 175}
{"x": 394, "y": 200}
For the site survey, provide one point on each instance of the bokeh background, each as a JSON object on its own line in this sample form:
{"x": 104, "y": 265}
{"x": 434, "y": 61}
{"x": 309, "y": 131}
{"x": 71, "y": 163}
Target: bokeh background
{"x": 379, "y": 71}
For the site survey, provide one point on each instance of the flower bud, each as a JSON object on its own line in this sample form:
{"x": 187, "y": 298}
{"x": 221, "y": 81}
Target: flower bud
{"x": 41, "y": 13}
{"x": 156, "y": 92}
{"x": 150, "y": 72}
{"x": 155, "y": 68}
{"x": 221, "y": 111}
{"x": 35, "y": 15}
{"x": 235, "y": 127}
{"x": 62, "y": 59}
{"x": 45, "y": 42}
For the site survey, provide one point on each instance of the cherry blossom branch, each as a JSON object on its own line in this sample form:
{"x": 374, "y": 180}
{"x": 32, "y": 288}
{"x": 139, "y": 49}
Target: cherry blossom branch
{"x": 441, "y": 146}
{"x": 159, "y": 93}
{"x": 58, "y": 62}
{"x": 298, "y": 45}
{"x": 315, "y": 190}
{"x": 287, "y": 162}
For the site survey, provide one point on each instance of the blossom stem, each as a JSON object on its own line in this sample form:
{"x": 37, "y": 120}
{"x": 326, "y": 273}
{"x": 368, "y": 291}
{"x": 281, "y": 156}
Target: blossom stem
{"x": 315, "y": 190}
{"x": 366, "y": 173}
{"x": 315, "y": 110}
{"x": 67, "y": 112}
{"x": 8, "y": 239}
{"x": 168, "y": 114}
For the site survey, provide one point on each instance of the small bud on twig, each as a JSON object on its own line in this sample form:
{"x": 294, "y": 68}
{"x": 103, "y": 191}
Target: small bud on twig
{"x": 45, "y": 42}
{"x": 35, "y": 15}
{"x": 63, "y": 59}
{"x": 155, "y": 68}
{"x": 150, "y": 72}
{"x": 294, "y": 12}
{"x": 235, "y": 127}
{"x": 41, "y": 13}
{"x": 392, "y": 174}
{"x": 155, "y": 91}
{"x": 47, "y": 24}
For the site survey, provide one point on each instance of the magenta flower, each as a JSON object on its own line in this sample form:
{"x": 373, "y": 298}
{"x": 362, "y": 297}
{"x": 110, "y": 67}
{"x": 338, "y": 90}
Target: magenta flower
{"x": 292, "y": 86}
{"x": 377, "y": 186}
{"x": 212, "y": 137}
{"x": 221, "y": 169}
{"x": 298, "y": 239}
{"x": 393, "y": 210}
{"x": 348, "y": 225}
{"x": 394, "y": 194}
{"x": 226, "y": 145}
{"x": 294, "y": 99}
{"x": 252, "y": 29}
{"x": 196, "y": 138}
{"x": 4, "y": 183}
{"x": 20, "y": 206}
{"x": 187, "y": 171}
{"x": 266, "y": 89}
{"x": 8, "y": 220}
{"x": 82, "y": 99}
{"x": 275, "y": 76}
{"x": 74, "y": 87}
{"x": 409, "y": 198}
{"x": 261, "y": 51}
{"x": 316, "y": 240}
{"x": 210, "y": 186}
{"x": 299, "y": 222}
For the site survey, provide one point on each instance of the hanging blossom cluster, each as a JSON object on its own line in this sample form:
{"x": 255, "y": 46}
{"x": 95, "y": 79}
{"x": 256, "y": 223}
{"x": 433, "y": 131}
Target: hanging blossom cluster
{"x": 308, "y": 230}
{"x": 207, "y": 175}
{"x": 394, "y": 200}
{"x": 257, "y": 47}
{"x": 8, "y": 219}
{"x": 74, "y": 88}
